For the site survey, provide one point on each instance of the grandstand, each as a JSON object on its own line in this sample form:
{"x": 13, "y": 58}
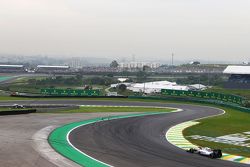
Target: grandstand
{"x": 239, "y": 77}
{"x": 51, "y": 69}
{"x": 12, "y": 68}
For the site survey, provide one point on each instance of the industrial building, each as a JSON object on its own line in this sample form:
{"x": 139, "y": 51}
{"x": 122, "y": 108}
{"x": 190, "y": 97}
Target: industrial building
{"x": 12, "y": 68}
{"x": 51, "y": 69}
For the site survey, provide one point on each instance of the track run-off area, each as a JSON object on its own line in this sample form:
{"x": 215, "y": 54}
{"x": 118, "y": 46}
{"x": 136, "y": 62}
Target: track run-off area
{"x": 113, "y": 141}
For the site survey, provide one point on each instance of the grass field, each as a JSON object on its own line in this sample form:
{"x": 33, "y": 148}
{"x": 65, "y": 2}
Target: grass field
{"x": 230, "y": 123}
{"x": 87, "y": 109}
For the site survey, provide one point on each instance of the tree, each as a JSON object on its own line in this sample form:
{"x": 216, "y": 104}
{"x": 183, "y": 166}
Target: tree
{"x": 114, "y": 64}
{"x": 79, "y": 76}
{"x": 141, "y": 76}
{"x": 145, "y": 68}
{"x": 110, "y": 75}
{"x": 122, "y": 87}
{"x": 247, "y": 104}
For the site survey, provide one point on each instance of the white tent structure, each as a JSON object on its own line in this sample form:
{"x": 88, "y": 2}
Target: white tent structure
{"x": 155, "y": 87}
{"x": 197, "y": 87}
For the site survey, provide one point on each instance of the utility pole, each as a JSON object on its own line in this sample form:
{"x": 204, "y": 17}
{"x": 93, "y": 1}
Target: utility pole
{"x": 208, "y": 79}
{"x": 172, "y": 59}
{"x": 133, "y": 58}
{"x": 199, "y": 82}
{"x": 172, "y": 66}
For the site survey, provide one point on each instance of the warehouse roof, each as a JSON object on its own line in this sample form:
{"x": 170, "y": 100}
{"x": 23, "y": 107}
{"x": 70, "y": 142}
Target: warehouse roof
{"x": 11, "y": 66}
{"x": 45, "y": 66}
{"x": 237, "y": 70}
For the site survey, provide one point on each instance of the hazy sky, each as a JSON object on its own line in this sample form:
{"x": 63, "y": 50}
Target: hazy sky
{"x": 150, "y": 29}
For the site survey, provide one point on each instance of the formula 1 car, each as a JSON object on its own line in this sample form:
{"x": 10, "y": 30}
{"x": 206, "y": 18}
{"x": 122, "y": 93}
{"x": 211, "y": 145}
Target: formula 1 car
{"x": 17, "y": 106}
{"x": 205, "y": 151}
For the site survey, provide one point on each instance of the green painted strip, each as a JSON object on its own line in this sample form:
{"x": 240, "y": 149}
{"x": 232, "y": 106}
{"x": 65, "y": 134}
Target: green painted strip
{"x": 4, "y": 78}
{"x": 58, "y": 140}
{"x": 239, "y": 159}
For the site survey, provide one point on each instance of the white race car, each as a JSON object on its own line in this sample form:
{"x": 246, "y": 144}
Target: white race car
{"x": 212, "y": 153}
{"x": 17, "y": 106}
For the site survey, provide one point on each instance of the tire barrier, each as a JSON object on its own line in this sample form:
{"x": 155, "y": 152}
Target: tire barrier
{"x": 58, "y": 96}
{"x": 17, "y": 112}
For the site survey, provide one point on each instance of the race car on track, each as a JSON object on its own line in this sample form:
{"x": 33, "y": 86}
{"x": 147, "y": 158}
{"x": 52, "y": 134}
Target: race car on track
{"x": 205, "y": 151}
{"x": 17, "y": 106}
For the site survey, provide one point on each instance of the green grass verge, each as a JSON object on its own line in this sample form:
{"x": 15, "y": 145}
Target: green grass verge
{"x": 115, "y": 109}
{"x": 231, "y": 122}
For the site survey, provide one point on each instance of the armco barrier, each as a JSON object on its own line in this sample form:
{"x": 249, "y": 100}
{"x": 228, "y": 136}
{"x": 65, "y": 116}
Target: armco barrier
{"x": 195, "y": 100}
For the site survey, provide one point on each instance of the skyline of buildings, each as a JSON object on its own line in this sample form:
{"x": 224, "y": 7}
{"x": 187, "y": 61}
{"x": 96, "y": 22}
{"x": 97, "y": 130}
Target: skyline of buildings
{"x": 78, "y": 62}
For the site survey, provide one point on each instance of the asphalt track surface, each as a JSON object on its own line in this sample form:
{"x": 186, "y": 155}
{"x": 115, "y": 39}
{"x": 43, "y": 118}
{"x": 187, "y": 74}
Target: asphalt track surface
{"x": 138, "y": 141}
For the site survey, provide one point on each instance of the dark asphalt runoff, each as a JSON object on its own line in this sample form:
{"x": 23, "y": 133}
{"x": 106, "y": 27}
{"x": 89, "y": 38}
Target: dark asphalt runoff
{"x": 138, "y": 141}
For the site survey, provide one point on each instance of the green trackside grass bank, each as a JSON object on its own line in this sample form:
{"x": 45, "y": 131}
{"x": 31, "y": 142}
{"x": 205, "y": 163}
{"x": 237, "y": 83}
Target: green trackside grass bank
{"x": 231, "y": 122}
{"x": 87, "y": 109}
{"x": 58, "y": 140}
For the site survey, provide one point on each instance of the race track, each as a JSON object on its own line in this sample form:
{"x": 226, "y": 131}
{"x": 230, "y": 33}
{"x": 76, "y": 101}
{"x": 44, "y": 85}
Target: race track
{"x": 141, "y": 141}
{"x": 138, "y": 141}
